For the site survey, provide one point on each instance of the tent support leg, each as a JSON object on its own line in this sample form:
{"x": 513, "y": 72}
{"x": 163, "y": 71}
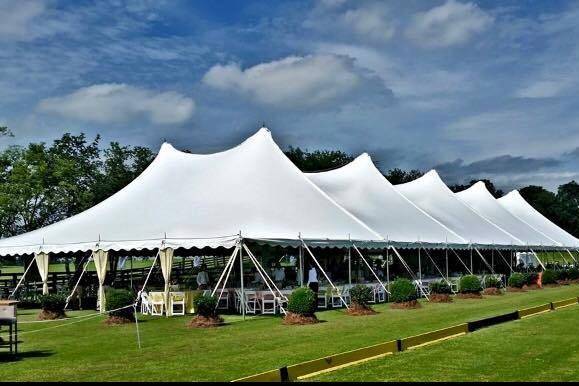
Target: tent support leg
{"x": 505, "y": 260}
{"x": 21, "y": 279}
{"x": 471, "y": 266}
{"x": 242, "y": 284}
{"x": 419, "y": 265}
{"x": 388, "y": 271}
{"x": 437, "y": 267}
{"x": 410, "y": 272}
{"x": 461, "y": 261}
{"x": 539, "y": 260}
{"x": 570, "y": 254}
{"x": 324, "y": 272}
{"x": 484, "y": 260}
{"x": 562, "y": 256}
{"x": 370, "y": 268}
{"x": 301, "y": 267}
{"x": 227, "y": 268}
{"x": 350, "y": 265}
{"x": 446, "y": 260}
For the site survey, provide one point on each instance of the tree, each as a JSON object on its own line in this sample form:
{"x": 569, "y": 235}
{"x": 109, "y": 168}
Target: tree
{"x": 398, "y": 176}
{"x": 318, "y": 160}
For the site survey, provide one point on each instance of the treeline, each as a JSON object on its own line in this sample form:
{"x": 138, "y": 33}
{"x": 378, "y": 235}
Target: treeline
{"x": 41, "y": 184}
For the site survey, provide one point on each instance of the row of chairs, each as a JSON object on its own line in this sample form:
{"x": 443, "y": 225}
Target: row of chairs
{"x": 265, "y": 303}
{"x": 154, "y": 304}
{"x": 334, "y": 298}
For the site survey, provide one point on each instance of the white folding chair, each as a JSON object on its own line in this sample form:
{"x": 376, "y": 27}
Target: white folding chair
{"x": 322, "y": 298}
{"x": 157, "y": 304}
{"x": 223, "y": 301}
{"x": 268, "y": 303}
{"x": 379, "y": 294}
{"x": 251, "y": 302}
{"x": 237, "y": 299}
{"x": 177, "y": 303}
{"x": 145, "y": 304}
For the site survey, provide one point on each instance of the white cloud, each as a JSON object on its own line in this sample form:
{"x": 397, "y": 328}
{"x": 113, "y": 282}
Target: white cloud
{"x": 372, "y": 22}
{"x": 113, "y": 103}
{"x": 17, "y": 17}
{"x": 543, "y": 89}
{"x": 452, "y": 23}
{"x": 290, "y": 82}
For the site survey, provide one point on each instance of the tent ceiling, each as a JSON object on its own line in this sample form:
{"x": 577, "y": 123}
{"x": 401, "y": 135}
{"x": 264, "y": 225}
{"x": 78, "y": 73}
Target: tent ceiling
{"x": 436, "y": 199}
{"x": 516, "y": 204}
{"x": 482, "y": 201}
{"x": 203, "y": 201}
{"x": 362, "y": 189}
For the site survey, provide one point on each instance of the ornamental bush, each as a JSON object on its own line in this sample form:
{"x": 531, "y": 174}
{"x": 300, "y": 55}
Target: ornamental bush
{"x": 531, "y": 278}
{"x": 492, "y": 282}
{"x": 402, "y": 290}
{"x": 206, "y": 306}
{"x": 573, "y": 273}
{"x": 517, "y": 280}
{"x": 549, "y": 277}
{"x": 120, "y": 298}
{"x": 439, "y": 287}
{"x": 361, "y": 295}
{"x": 53, "y": 303}
{"x": 469, "y": 284}
{"x": 302, "y": 301}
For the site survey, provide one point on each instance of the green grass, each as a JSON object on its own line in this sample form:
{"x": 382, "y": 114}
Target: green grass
{"x": 93, "y": 351}
{"x": 542, "y": 348}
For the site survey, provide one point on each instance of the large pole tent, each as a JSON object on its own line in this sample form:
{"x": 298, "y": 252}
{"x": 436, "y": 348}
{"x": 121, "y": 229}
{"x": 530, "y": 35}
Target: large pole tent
{"x": 252, "y": 191}
{"x": 516, "y": 204}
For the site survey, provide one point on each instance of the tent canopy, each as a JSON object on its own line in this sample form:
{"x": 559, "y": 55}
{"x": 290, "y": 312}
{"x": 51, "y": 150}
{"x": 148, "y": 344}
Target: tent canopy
{"x": 483, "y": 202}
{"x": 436, "y": 199}
{"x": 190, "y": 200}
{"x": 365, "y": 192}
{"x": 516, "y": 204}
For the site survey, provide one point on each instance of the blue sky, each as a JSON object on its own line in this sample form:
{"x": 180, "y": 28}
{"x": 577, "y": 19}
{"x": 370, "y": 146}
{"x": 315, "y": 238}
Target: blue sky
{"x": 475, "y": 89}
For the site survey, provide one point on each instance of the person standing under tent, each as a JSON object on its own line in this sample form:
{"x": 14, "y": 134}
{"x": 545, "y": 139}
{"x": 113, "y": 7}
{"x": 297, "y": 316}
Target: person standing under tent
{"x": 313, "y": 279}
{"x": 278, "y": 274}
{"x": 203, "y": 278}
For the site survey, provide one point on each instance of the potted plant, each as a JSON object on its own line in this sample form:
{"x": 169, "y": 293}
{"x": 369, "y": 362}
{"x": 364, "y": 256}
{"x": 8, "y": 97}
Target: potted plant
{"x": 470, "y": 287}
{"x": 403, "y": 294}
{"x": 206, "y": 312}
{"x": 492, "y": 285}
{"x": 119, "y": 306}
{"x": 301, "y": 307}
{"x": 516, "y": 282}
{"x": 440, "y": 292}
{"x": 52, "y": 306}
{"x": 361, "y": 296}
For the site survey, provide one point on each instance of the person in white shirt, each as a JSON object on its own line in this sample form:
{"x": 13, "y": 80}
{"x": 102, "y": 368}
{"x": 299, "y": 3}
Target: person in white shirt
{"x": 203, "y": 278}
{"x": 313, "y": 279}
{"x": 278, "y": 274}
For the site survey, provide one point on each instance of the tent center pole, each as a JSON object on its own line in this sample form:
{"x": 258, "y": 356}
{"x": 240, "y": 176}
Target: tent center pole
{"x": 350, "y": 265}
{"x": 419, "y": 266}
{"x": 388, "y": 271}
{"x": 242, "y": 286}
{"x": 446, "y": 258}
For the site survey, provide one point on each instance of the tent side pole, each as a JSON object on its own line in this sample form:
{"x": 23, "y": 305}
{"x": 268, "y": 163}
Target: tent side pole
{"x": 471, "y": 266}
{"x": 437, "y": 268}
{"x": 79, "y": 279}
{"x": 537, "y": 257}
{"x": 461, "y": 261}
{"x": 419, "y": 265}
{"x": 484, "y": 260}
{"x": 21, "y": 279}
{"x": 242, "y": 284}
{"x": 505, "y": 260}
{"x": 301, "y": 266}
{"x": 388, "y": 270}
{"x": 324, "y": 272}
{"x": 410, "y": 272}
{"x": 570, "y": 254}
{"x": 225, "y": 269}
{"x": 446, "y": 259}
{"x": 369, "y": 267}
{"x": 350, "y": 265}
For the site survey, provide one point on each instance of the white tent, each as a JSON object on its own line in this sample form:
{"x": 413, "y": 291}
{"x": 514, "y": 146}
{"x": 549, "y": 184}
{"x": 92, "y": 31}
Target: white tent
{"x": 362, "y": 189}
{"x": 480, "y": 199}
{"x": 187, "y": 200}
{"x": 436, "y": 199}
{"x": 517, "y": 205}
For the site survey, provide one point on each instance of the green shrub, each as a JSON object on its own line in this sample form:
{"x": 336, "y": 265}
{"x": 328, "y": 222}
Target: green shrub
{"x": 53, "y": 303}
{"x": 469, "y": 284}
{"x": 402, "y": 290}
{"x": 549, "y": 277}
{"x": 361, "y": 295}
{"x": 206, "y": 305}
{"x": 492, "y": 282}
{"x": 302, "y": 301}
{"x": 439, "y": 287}
{"x": 517, "y": 280}
{"x": 120, "y": 298}
{"x": 530, "y": 278}
{"x": 573, "y": 273}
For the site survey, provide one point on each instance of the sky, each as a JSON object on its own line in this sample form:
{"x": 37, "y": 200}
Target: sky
{"x": 484, "y": 89}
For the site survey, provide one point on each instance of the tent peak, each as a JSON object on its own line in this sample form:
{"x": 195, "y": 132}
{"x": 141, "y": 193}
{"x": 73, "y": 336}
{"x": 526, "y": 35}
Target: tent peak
{"x": 167, "y": 147}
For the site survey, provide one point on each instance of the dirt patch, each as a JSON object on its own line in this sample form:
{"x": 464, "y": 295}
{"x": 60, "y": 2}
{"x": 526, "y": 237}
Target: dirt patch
{"x": 405, "y": 305}
{"x": 51, "y": 315}
{"x": 469, "y": 295}
{"x": 205, "y": 322}
{"x": 117, "y": 321}
{"x": 492, "y": 291}
{"x": 516, "y": 289}
{"x": 564, "y": 282}
{"x": 358, "y": 310}
{"x": 440, "y": 298}
{"x": 532, "y": 287}
{"x": 551, "y": 285}
{"x": 296, "y": 319}
{"x": 574, "y": 281}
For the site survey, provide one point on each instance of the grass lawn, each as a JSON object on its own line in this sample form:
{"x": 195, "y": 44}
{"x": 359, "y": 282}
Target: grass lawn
{"x": 542, "y": 348}
{"x": 92, "y": 351}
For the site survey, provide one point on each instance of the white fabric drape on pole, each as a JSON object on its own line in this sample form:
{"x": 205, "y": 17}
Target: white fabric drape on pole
{"x": 42, "y": 264}
{"x": 101, "y": 258}
{"x": 166, "y": 260}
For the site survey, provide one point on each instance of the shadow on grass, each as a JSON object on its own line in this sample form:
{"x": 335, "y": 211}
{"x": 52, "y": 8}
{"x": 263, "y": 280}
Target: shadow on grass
{"x": 7, "y": 357}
